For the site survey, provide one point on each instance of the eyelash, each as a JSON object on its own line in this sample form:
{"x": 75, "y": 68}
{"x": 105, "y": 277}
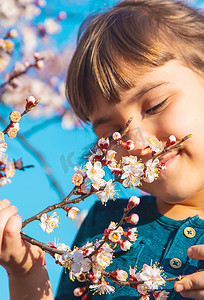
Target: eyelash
{"x": 154, "y": 108}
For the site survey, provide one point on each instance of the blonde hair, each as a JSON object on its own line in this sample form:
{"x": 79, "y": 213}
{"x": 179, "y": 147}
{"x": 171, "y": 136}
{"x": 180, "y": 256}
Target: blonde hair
{"x": 134, "y": 33}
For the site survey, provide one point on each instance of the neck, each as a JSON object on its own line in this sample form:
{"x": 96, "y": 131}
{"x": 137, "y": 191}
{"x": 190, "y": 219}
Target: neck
{"x": 182, "y": 210}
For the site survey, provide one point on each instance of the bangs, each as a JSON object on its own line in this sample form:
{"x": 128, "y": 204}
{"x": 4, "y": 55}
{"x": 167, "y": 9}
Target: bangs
{"x": 114, "y": 46}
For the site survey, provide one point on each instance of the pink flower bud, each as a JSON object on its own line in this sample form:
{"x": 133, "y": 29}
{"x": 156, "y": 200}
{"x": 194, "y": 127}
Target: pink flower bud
{"x": 81, "y": 278}
{"x": 19, "y": 67}
{"x": 62, "y": 16}
{"x": 71, "y": 212}
{"x": 171, "y": 140}
{"x": 116, "y": 136}
{"x": 79, "y": 291}
{"x": 39, "y": 64}
{"x": 125, "y": 245}
{"x": 132, "y": 219}
{"x": 129, "y": 145}
{"x": 36, "y": 55}
{"x": 93, "y": 278}
{"x": 133, "y": 201}
{"x": 12, "y": 34}
{"x": 40, "y": 3}
{"x": 103, "y": 143}
{"x": 121, "y": 275}
{"x": 27, "y": 64}
{"x": 30, "y": 101}
{"x": 77, "y": 179}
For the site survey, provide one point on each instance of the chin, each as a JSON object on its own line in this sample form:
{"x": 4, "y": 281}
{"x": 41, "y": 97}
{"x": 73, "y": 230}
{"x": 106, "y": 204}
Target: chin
{"x": 175, "y": 192}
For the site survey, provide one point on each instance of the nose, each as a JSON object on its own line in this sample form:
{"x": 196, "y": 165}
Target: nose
{"x": 139, "y": 134}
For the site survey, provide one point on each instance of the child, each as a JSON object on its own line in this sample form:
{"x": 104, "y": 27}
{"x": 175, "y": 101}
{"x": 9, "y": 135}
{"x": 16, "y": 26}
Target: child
{"x": 143, "y": 58}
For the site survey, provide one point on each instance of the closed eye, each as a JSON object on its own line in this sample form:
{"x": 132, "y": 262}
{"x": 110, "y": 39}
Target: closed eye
{"x": 156, "y": 107}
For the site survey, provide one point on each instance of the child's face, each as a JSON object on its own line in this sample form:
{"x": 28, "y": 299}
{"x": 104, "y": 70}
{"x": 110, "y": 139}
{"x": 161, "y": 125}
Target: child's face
{"x": 166, "y": 100}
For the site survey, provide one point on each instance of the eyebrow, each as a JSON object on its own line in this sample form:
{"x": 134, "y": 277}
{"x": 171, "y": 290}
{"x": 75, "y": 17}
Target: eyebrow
{"x": 146, "y": 89}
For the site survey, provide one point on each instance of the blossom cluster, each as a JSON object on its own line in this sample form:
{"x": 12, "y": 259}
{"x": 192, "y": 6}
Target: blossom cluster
{"x": 33, "y": 36}
{"x": 7, "y": 167}
{"x": 129, "y": 170}
{"x": 88, "y": 263}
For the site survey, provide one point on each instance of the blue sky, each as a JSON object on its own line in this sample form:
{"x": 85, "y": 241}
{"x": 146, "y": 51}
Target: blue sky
{"x": 31, "y": 191}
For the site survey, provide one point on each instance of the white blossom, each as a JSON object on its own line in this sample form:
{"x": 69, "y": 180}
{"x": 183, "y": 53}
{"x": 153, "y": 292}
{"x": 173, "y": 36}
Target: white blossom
{"x": 108, "y": 192}
{"x": 102, "y": 288}
{"x": 77, "y": 262}
{"x": 155, "y": 145}
{"x": 4, "y": 180}
{"x": 9, "y": 169}
{"x": 49, "y": 222}
{"x": 132, "y": 174}
{"x": 151, "y": 170}
{"x": 98, "y": 184}
{"x": 61, "y": 246}
{"x": 72, "y": 212}
{"x": 162, "y": 295}
{"x": 94, "y": 171}
{"x": 151, "y": 276}
{"x": 131, "y": 234}
{"x": 102, "y": 259}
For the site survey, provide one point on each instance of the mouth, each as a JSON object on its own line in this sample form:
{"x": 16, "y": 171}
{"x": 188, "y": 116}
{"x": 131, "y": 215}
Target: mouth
{"x": 169, "y": 157}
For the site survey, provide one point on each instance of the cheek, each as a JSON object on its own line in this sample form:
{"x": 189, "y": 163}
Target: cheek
{"x": 179, "y": 119}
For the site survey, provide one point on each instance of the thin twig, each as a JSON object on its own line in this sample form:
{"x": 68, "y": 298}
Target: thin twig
{"x": 174, "y": 146}
{"x": 41, "y": 245}
{"x": 61, "y": 204}
{"x": 9, "y": 81}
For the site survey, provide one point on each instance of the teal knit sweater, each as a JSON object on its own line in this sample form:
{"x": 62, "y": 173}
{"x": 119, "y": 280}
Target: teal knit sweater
{"x": 160, "y": 239}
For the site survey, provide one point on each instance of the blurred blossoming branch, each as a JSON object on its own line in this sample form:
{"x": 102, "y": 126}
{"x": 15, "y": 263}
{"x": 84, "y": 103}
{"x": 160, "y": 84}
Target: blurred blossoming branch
{"x": 26, "y": 72}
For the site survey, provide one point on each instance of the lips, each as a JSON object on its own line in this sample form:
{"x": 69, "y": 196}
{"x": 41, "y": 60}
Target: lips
{"x": 166, "y": 158}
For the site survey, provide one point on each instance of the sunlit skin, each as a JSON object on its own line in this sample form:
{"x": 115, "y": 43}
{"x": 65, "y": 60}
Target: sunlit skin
{"x": 165, "y": 100}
